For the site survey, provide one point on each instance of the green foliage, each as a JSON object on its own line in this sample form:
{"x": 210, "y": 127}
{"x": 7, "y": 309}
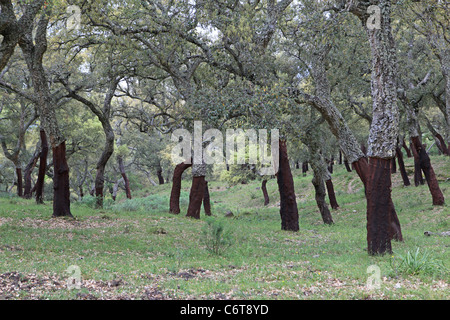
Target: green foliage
{"x": 215, "y": 237}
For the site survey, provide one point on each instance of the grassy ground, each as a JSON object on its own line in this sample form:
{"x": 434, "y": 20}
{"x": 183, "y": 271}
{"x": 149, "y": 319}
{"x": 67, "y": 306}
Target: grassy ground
{"x": 136, "y": 250}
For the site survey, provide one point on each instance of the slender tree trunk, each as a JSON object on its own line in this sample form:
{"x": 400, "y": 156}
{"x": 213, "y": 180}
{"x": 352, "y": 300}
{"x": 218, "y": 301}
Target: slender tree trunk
{"x": 331, "y": 195}
{"x": 425, "y": 165}
{"x": 347, "y": 166}
{"x": 197, "y": 190}
{"x": 124, "y": 176}
{"x": 340, "y": 157}
{"x": 42, "y": 169}
{"x": 408, "y": 151}
{"x": 401, "y": 166}
{"x": 102, "y": 162}
{"x": 27, "y": 194}
{"x": 176, "y": 187}
{"x": 206, "y": 200}
{"x": 393, "y": 166}
{"x": 264, "y": 190}
{"x": 418, "y": 178}
{"x": 288, "y": 203}
{"x": 320, "y": 193}
{"x": 19, "y": 181}
{"x": 160, "y": 176}
{"x": 304, "y": 168}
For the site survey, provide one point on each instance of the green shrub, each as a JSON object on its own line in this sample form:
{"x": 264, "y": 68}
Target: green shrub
{"x": 215, "y": 237}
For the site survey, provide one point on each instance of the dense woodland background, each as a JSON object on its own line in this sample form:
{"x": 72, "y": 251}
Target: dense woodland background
{"x": 88, "y": 105}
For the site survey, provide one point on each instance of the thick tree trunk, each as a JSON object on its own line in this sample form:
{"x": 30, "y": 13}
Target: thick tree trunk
{"x": 265, "y": 194}
{"x": 42, "y": 169}
{"x": 401, "y": 166}
{"x": 197, "y": 190}
{"x": 176, "y": 187}
{"x": 288, "y": 203}
{"x": 331, "y": 195}
{"x": 124, "y": 176}
{"x": 382, "y": 221}
{"x": 61, "y": 195}
{"x": 425, "y": 165}
{"x": 206, "y": 200}
{"x": 393, "y": 166}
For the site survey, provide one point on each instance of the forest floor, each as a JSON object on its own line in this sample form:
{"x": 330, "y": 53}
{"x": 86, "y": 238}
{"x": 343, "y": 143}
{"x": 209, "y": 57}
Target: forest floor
{"x": 135, "y": 249}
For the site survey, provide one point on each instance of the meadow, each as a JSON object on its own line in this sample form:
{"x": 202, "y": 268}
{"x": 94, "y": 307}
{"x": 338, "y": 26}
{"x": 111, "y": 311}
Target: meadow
{"x": 135, "y": 249}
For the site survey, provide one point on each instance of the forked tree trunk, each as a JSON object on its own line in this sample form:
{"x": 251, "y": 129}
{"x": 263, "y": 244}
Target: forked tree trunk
{"x": 425, "y": 165}
{"x": 206, "y": 200}
{"x": 288, "y": 203}
{"x": 39, "y": 186}
{"x": 408, "y": 151}
{"x": 176, "y": 187}
{"x": 265, "y": 194}
{"x": 197, "y": 190}
{"x": 101, "y": 164}
{"x": 401, "y": 166}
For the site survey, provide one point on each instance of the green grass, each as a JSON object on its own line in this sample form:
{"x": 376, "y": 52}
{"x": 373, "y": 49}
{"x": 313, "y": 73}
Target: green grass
{"x": 156, "y": 254}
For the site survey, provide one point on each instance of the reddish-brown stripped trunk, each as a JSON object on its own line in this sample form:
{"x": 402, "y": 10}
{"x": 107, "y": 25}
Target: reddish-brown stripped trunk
{"x": 39, "y": 186}
{"x": 196, "y": 197}
{"x": 401, "y": 166}
{"x": 176, "y": 187}
{"x": 19, "y": 181}
{"x": 124, "y": 176}
{"x": 206, "y": 200}
{"x": 27, "y": 193}
{"x": 61, "y": 195}
{"x": 430, "y": 176}
{"x": 288, "y": 203}
{"x": 331, "y": 194}
{"x": 264, "y": 190}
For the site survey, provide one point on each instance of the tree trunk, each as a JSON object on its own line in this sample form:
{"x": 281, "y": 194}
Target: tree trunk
{"x": 264, "y": 190}
{"x": 160, "y": 176}
{"x": 197, "y": 190}
{"x": 418, "y": 178}
{"x": 304, "y": 168}
{"x": 42, "y": 169}
{"x": 288, "y": 203}
{"x": 27, "y": 194}
{"x": 331, "y": 194}
{"x": 408, "y": 151}
{"x": 401, "y": 166}
{"x": 425, "y": 165}
{"x": 61, "y": 195}
{"x": 19, "y": 181}
{"x": 320, "y": 193}
{"x": 347, "y": 166}
{"x": 206, "y": 200}
{"x": 176, "y": 187}
{"x": 124, "y": 176}
{"x": 393, "y": 166}
{"x": 101, "y": 164}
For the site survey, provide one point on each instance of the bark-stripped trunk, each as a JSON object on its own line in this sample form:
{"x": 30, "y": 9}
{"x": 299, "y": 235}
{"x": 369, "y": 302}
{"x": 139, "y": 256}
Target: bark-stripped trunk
{"x": 401, "y": 166}
{"x": 124, "y": 176}
{"x": 439, "y": 139}
{"x": 19, "y": 181}
{"x": 265, "y": 194}
{"x": 39, "y": 186}
{"x": 408, "y": 151}
{"x": 61, "y": 189}
{"x": 197, "y": 190}
{"x": 304, "y": 168}
{"x": 159, "y": 174}
{"x": 393, "y": 166}
{"x": 176, "y": 187}
{"x": 288, "y": 203}
{"x": 347, "y": 166}
{"x": 331, "y": 195}
{"x": 206, "y": 200}
{"x": 418, "y": 178}
{"x": 425, "y": 165}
